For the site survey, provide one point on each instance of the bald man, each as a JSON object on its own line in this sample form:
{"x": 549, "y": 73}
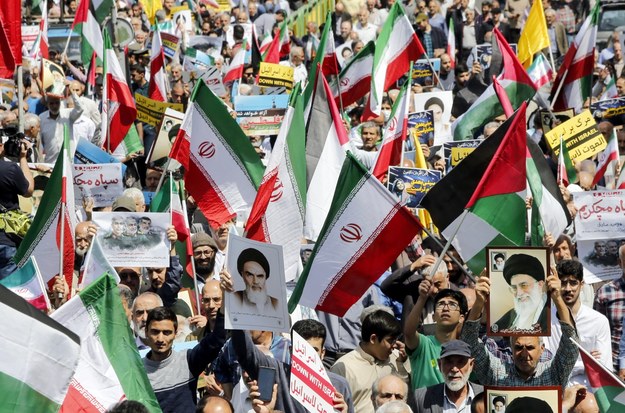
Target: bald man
{"x": 83, "y": 235}
{"x": 214, "y": 404}
{"x": 212, "y": 299}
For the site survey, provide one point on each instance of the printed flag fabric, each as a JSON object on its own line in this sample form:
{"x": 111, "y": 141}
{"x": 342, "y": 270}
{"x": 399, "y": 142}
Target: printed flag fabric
{"x": 607, "y": 388}
{"x": 157, "y": 88}
{"x": 86, "y": 25}
{"x": 354, "y": 81}
{"x": 38, "y": 359}
{"x": 110, "y": 369}
{"x": 354, "y": 249}
{"x": 609, "y": 154}
{"x": 28, "y": 284}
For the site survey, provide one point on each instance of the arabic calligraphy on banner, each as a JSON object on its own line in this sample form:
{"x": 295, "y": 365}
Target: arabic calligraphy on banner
{"x": 581, "y": 137}
{"x": 310, "y": 384}
{"x": 151, "y": 111}
{"x": 102, "y": 182}
{"x": 271, "y": 74}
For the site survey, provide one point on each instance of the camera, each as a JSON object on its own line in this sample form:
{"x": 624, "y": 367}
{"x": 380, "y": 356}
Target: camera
{"x": 12, "y": 147}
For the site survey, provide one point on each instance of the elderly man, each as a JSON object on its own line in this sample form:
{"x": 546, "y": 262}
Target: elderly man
{"x": 140, "y": 308}
{"x": 525, "y": 275}
{"x": 53, "y": 122}
{"x": 456, "y": 393}
{"x": 204, "y": 250}
{"x": 212, "y": 299}
{"x": 387, "y": 389}
{"x": 525, "y": 369}
{"x": 254, "y": 269}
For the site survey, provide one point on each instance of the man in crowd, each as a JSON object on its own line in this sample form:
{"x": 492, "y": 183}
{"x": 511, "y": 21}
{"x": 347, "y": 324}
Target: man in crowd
{"x": 254, "y": 268}
{"x": 387, "y": 389}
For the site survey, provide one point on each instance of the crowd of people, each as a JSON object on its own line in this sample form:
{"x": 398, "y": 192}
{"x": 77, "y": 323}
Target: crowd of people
{"x": 416, "y": 340}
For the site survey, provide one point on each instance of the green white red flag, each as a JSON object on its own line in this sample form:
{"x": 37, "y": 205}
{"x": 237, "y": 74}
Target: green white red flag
{"x": 110, "y": 369}
{"x": 354, "y": 81}
{"x": 88, "y": 27}
{"x": 609, "y": 391}
{"x": 28, "y": 284}
{"x": 574, "y": 79}
{"x": 567, "y": 174}
{"x": 481, "y": 202}
{"x": 397, "y": 46}
{"x": 354, "y": 248}
{"x": 157, "y": 88}
{"x": 38, "y": 359}
{"x": 223, "y": 169}
{"x": 514, "y": 80}
{"x": 609, "y": 155}
{"x": 277, "y": 215}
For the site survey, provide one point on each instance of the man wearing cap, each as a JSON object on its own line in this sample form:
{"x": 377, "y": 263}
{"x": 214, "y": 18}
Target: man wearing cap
{"x": 456, "y": 393}
{"x": 525, "y": 275}
{"x": 254, "y": 268}
{"x": 204, "y": 249}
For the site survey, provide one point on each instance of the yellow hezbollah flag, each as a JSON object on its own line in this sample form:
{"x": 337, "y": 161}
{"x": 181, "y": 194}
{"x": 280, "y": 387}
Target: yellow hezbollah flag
{"x": 534, "y": 36}
{"x": 150, "y": 7}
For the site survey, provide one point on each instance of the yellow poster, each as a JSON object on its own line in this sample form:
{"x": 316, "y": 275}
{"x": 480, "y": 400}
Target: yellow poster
{"x": 151, "y": 111}
{"x": 271, "y": 74}
{"x": 581, "y": 137}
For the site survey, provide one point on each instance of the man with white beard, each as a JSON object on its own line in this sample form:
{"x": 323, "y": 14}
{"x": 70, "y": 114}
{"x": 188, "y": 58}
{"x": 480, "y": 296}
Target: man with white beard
{"x": 254, "y": 268}
{"x": 83, "y": 237}
{"x": 456, "y": 393}
{"x": 140, "y": 308}
{"x": 525, "y": 275}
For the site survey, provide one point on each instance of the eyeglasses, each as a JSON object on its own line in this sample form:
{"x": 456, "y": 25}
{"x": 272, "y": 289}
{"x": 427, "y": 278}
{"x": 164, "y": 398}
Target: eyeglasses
{"x": 453, "y": 306}
{"x": 208, "y": 253}
{"x": 208, "y": 300}
{"x": 524, "y": 286}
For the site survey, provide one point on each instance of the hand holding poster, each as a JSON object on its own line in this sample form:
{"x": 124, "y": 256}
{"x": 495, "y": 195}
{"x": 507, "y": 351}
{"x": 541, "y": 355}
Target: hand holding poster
{"x": 151, "y": 111}
{"x": 102, "y": 182}
{"x": 258, "y": 301}
{"x": 52, "y": 78}
{"x": 581, "y": 137}
{"x": 310, "y": 384}
{"x": 134, "y": 239}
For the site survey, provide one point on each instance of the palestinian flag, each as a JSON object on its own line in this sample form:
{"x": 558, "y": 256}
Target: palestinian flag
{"x": 482, "y": 199}
{"x": 43, "y": 240}
{"x": 101, "y": 9}
{"x": 354, "y": 81}
{"x": 110, "y": 369}
{"x": 567, "y": 174}
{"x": 607, "y": 388}
{"x": 28, "y": 284}
{"x": 517, "y": 84}
{"x": 576, "y": 71}
{"x": 540, "y": 71}
{"x": 39, "y": 357}
{"x": 610, "y": 90}
{"x": 157, "y": 89}
{"x": 223, "y": 169}
{"x": 609, "y": 154}
{"x": 549, "y": 211}
{"x": 354, "y": 249}
{"x": 121, "y": 111}
{"x": 394, "y": 135}
{"x": 87, "y": 25}
{"x": 277, "y": 215}
{"x": 326, "y": 142}
{"x": 397, "y": 46}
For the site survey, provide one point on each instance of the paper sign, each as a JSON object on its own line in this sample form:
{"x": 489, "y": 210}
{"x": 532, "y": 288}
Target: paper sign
{"x": 212, "y": 78}
{"x": 310, "y": 384}
{"x": 411, "y": 184}
{"x": 455, "y": 152}
{"x": 260, "y": 115}
{"x": 151, "y": 111}
{"x": 421, "y": 127}
{"x": 581, "y": 137}
{"x": 271, "y": 74}
{"x": 608, "y": 108}
{"x": 88, "y": 153}
{"x": 102, "y": 182}
{"x": 170, "y": 44}
{"x": 53, "y": 79}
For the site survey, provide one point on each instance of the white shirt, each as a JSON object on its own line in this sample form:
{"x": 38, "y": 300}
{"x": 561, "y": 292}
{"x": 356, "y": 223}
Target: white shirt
{"x": 300, "y": 74}
{"x": 366, "y": 34}
{"x": 465, "y": 406}
{"x": 52, "y": 131}
{"x": 593, "y": 330}
{"x": 83, "y": 128}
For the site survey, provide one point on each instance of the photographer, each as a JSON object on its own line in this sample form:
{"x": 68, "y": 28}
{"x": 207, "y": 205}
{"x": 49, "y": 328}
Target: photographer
{"x": 14, "y": 180}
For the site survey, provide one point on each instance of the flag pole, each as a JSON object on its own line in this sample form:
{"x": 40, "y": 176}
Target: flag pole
{"x": 448, "y": 244}
{"x": 438, "y": 79}
{"x": 162, "y": 179}
{"x": 183, "y": 202}
{"x": 454, "y": 259}
{"x": 555, "y": 96}
{"x": 553, "y": 64}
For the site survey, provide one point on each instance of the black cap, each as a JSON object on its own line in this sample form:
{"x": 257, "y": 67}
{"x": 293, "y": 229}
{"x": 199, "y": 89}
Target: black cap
{"x": 455, "y": 348}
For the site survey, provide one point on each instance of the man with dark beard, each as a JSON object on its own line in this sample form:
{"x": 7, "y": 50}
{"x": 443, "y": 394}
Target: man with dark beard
{"x": 525, "y": 275}
{"x": 456, "y": 393}
{"x": 254, "y": 268}
{"x": 204, "y": 249}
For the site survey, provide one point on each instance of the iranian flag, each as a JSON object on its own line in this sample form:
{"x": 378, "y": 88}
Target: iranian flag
{"x": 609, "y": 154}
{"x": 607, "y": 388}
{"x": 157, "y": 89}
{"x": 121, "y": 111}
{"x": 549, "y": 211}
{"x": 223, "y": 169}
{"x": 540, "y": 71}
{"x": 326, "y": 143}
{"x": 610, "y": 90}
{"x": 277, "y": 215}
{"x": 235, "y": 70}
{"x": 88, "y": 27}
{"x": 620, "y": 182}
{"x": 451, "y": 43}
{"x": 481, "y": 202}
{"x": 278, "y": 47}
{"x": 46, "y": 240}
{"x": 397, "y": 46}
{"x": 394, "y": 135}
{"x": 574, "y": 79}
{"x": 95, "y": 265}
{"x": 514, "y": 80}
{"x": 110, "y": 369}
{"x": 28, "y": 284}
{"x": 325, "y": 59}
{"x": 354, "y": 248}
{"x": 38, "y": 359}
{"x": 354, "y": 81}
